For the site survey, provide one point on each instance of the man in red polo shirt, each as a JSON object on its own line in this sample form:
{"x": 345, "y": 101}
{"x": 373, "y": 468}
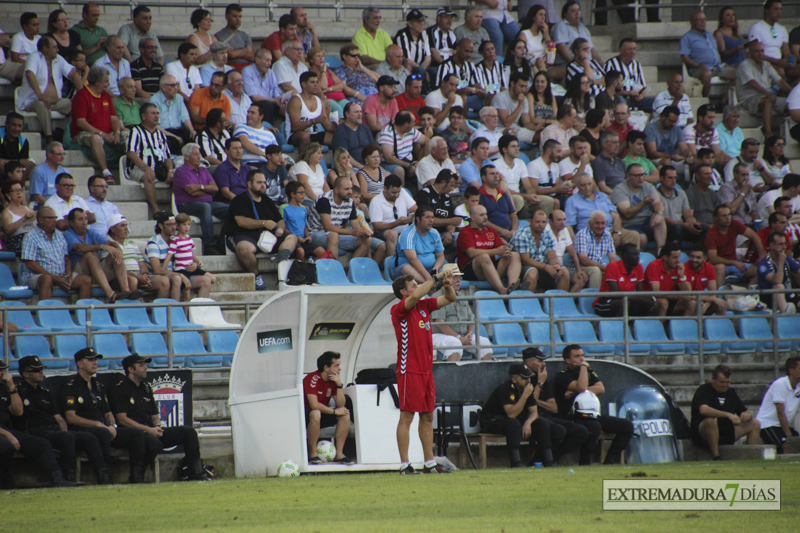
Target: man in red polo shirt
{"x": 319, "y": 387}
{"x": 776, "y": 223}
{"x": 287, "y": 31}
{"x": 621, "y": 126}
{"x": 702, "y": 275}
{"x": 94, "y": 121}
{"x": 665, "y": 274}
{"x": 625, "y": 275}
{"x": 478, "y": 245}
{"x": 411, "y": 100}
{"x": 721, "y": 244}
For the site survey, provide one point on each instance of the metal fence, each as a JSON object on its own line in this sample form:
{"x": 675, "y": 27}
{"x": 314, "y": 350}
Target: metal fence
{"x": 627, "y": 319}
{"x": 701, "y": 5}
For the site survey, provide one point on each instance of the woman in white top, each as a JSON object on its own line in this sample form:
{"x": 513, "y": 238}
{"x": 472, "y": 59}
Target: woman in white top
{"x": 371, "y": 176}
{"x": 308, "y": 171}
{"x": 535, "y": 33}
{"x": 202, "y": 39}
{"x": 17, "y": 219}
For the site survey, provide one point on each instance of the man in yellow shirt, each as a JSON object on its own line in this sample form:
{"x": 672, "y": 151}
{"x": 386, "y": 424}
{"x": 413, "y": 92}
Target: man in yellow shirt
{"x": 372, "y": 41}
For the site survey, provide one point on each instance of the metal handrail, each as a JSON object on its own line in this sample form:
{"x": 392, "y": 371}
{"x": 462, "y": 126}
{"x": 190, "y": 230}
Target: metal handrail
{"x": 638, "y": 5}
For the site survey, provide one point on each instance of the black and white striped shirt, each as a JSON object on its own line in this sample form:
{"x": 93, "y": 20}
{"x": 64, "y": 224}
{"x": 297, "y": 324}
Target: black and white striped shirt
{"x": 211, "y": 146}
{"x": 468, "y": 75}
{"x": 417, "y": 50}
{"x": 631, "y": 74}
{"x": 491, "y": 78}
{"x": 576, "y": 69}
{"x": 150, "y": 147}
{"x": 444, "y": 43}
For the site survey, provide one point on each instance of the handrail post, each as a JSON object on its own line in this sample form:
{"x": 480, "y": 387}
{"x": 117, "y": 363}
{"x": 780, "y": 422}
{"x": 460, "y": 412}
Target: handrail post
{"x": 626, "y": 331}
{"x": 701, "y": 357}
{"x": 477, "y": 331}
{"x": 246, "y": 312}
{"x": 775, "y": 336}
{"x": 636, "y": 7}
{"x": 169, "y": 336}
{"x": 89, "y": 326}
{"x": 271, "y": 10}
{"x": 337, "y": 10}
{"x": 552, "y": 324}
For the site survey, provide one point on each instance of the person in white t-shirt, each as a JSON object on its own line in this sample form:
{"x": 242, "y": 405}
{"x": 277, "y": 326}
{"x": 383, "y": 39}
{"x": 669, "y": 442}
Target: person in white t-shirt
{"x": 779, "y": 406}
{"x": 775, "y": 39}
{"x": 546, "y": 175}
{"x": 443, "y": 99}
{"x": 577, "y": 162}
{"x": 391, "y": 212}
{"x": 515, "y": 173}
{"x": 790, "y": 188}
{"x": 24, "y": 43}
{"x": 793, "y": 105}
{"x": 563, "y": 236}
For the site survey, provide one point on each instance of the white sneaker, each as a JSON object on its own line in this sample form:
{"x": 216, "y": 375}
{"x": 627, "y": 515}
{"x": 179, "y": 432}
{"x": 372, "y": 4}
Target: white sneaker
{"x": 790, "y": 308}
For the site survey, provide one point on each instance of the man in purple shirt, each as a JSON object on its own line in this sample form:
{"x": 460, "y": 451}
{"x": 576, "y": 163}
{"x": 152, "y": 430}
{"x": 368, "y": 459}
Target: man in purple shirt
{"x": 194, "y": 190}
{"x": 231, "y": 175}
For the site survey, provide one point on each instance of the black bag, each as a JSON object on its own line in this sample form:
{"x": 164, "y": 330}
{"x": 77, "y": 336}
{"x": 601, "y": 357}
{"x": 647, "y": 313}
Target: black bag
{"x": 161, "y": 171}
{"x": 384, "y": 378}
{"x": 301, "y": 274}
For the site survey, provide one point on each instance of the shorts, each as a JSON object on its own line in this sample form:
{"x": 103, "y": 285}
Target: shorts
{"x": 469, "y": 272}
{"x": 715, "y": 71}
{"x": 33, "y": 280}
{"x": 545, "y": 280}
{"x": 731, "y": 270}
{"x": 727, "y": 434}
{"x": 644, "y": 229}
{"x": 752, "y": 105}
{"x": 232, "y": 240}
{"x": 326, "y": 419}
{"x": 84, "y": 138}
{"x": 318, "y": 137}
{"x": 417, "y": 392}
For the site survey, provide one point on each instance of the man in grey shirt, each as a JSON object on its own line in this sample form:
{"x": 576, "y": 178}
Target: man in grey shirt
{"x": 681, "y": 224}
{"x": 240, "y": 45}
{"x": 137, "y": 30}
{"x": 607, "y": 167}
{"x": 702, "y": 199}
{"x": 640, "y": 206}
{"x": 472, "y": 30}
{"x": 393, "y": 65}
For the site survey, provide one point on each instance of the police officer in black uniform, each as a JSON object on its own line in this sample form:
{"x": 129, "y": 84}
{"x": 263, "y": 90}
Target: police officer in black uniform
{"x": 12, "y": 440}
{"x": 576, "y": 434}
{"x": 575, "y": 379}
{"x": 85, "y": 406}
{"x": 511, "y": 411}
{"x": 135, "y": 406}
{"x": 42, "y": 419}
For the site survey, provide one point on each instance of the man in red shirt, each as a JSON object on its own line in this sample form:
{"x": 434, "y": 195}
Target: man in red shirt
{"x": 625, "y": 275}
{"x": 777, "y": 223}
{"x": 478, "y": 244}
{"x": 94, "y": 121}
{"x": 411, "y": 319}
{"x": 621, "y": 126}
{"x": 665, "y": 274}
{"x": 702, "y": 275}
{"x": 411, "y": 98}
{"x": 319, "y": 387}
{"x": 721, "y": 244}
{"x": 287, "y": 31}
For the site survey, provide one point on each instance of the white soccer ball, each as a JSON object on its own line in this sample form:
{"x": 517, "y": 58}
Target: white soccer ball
{"x": 326, "y": 450}
{"x": 288, "y": 468}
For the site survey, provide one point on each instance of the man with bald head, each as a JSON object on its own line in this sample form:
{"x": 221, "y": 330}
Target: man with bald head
{"x": 306, "y": 32}
{"x": 755, "y": 78}
{"x": 174, "y": 118}
{"x": 118, "y": 67}
{"x": 393, "y": 65}
{"x": 126, "y": 107}
{"x": 675, "y": 96}
{"x": 700, "y": 55}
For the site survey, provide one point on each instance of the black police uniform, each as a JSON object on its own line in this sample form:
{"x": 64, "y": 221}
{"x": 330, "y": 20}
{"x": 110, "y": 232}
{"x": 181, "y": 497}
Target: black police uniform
{"x": 29, "y": 446}
{"x": 576, "y": 434}
{"x": 90, "y": 402}
{"x": 494, "y": 419}
{"x": 727, "y": 402}
{"x": 140, "y": 405}
{"x": 39, "y": 409}
{"x": 621, "y": 427}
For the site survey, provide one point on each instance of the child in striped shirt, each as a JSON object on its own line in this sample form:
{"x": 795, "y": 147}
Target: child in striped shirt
{"x": 181, "y": 250}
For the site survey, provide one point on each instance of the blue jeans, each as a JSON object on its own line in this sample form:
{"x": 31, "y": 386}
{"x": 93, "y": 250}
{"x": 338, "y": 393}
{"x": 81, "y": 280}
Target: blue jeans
{"x": 645, "y": 104}
{"x": 475, "y": 102}
{"x": 498, "y": 31}
{"x": 204, "y": 210}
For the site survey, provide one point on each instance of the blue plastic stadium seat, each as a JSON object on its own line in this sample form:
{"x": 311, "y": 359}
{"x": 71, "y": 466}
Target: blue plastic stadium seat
{"x": 525, "y": 159}
{"x": 788, "y": 327}
{"x": 101, "y": 318}
{"x": 133, "y": 318}
{"x": 645, "y": 259}
{"x": 528, "y": 307}
{"x": 56, "y": 319}
{"x": 65, "y": 346}
{"x": 722, "y": 330}
{"x": 331, "y": 272}
{"x": 523, "y": 224}
{"x": 652, "y": 331}
{"x": 612, "y": 331}
{"x": 684, "y": 258}
{"x": 333, "y": 62}
{"x": 186, "y": 342}
{"x": 496, "y": 352}
{"x": 365, "y": 271}
{"x": 7, "y": 256}
{"x": 758, "y": 328}
{"x": 509, "y": 334}
{"x": 493, "y": 309}
{"x": 223, "y": 342}
{"x": 7, "y": 281}
{"x": 179, "y": 319}
{"x": 686, "y": 330}
{"x": 538, "y": 336}
{"x": 583, "y": 332}
{"x": 111, "y": 345}
{"x": 153, "y": 345}
{"x": 562, "y": 307}
{"x": 23, "y": 319}
{"x": 36, "y": 345}
{"x": 585, "y": 302}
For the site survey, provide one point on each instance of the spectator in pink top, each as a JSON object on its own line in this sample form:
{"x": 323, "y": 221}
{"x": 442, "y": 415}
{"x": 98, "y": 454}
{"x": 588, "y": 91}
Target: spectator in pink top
{"x": 194, "y": 191}
{"x": 380, "y": 108}
{"x": 181, "y": 249}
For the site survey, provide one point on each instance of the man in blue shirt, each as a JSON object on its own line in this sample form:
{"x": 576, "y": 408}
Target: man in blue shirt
{"x": 778, "y": 271}
{"x": 499, "y": 205}
{"x": 261, "y": 85}
{"x": 419, "y": 248}
{"x": 730, "y": 134}
{"x": 470, "y": 169}
{"x": 700, "y": 55}
{"x": 84, "y": 246}
{"x": 43, "y": 177}
{"x": 173, "y": 117}
{"x": 588, "y": 200}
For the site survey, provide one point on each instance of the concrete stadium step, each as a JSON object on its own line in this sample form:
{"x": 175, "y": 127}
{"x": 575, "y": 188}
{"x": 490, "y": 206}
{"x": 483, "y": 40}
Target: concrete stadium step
{"x": 73, "y": 158}
{"x": 733, "y": 452}
{"x": 254, "y": 296}
{"x": 136, "y": 211}
{"x": 142, "y": 228}
{"x": 244, "y": 282}
{"x": 35, "y": 142}
{"x": 127, "y": 192}
{"x": 229, "y": 263}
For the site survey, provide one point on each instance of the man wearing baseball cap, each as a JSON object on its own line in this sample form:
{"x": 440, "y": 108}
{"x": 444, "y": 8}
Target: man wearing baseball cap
{"x": 576, "y": 434}
{"x": 413, "y": 39}
{"x": 135, "y": 407}
{"x": 12, "y": 441}
{"x": 42, "y": 419}
{"x": 442, "y": 39}
{"x": 85, "y": 406}
{"x": 511, "y": 411}
{"x": 381, "y": 107}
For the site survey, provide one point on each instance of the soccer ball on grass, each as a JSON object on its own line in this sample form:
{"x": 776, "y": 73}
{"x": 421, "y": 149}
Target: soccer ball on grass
{"x": 288, "y": 468}
{"x": 325, "y": 450}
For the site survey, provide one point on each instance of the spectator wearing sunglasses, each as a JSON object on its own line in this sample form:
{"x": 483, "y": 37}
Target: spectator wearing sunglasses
{"x": 185, "y": 71}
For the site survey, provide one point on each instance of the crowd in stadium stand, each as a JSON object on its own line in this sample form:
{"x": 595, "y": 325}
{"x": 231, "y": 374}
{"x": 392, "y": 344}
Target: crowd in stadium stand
{"x": 614, "y": 165}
